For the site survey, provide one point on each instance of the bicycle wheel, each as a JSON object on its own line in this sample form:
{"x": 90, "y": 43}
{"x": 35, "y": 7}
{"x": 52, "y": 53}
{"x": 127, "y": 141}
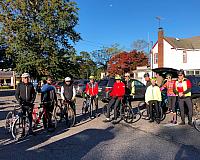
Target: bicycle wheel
{"x": 53, "y": 121}
{"x": 8, "y": 121}
{"x": 136, "y": 114}
{"x": 196, "y": 124}
{"x": 162, "y": 115}
{"x": 70, "y": 117}
{"x": 104, "y": 109}
{"x": 128, "y": 114}
{"x": 58, "y": 113}
{"x": 91, "y": 114}
{"x": 144, "y": 113}
{"x": 20, "y": 127}
{"x": 84, "y": 107}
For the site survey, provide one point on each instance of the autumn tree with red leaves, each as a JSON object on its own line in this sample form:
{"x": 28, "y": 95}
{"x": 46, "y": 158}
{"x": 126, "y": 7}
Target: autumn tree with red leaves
{"x": 126, "y": 61}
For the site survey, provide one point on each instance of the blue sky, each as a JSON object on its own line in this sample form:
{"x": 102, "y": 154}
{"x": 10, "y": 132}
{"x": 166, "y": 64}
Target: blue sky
{"x": 105, "y": 22}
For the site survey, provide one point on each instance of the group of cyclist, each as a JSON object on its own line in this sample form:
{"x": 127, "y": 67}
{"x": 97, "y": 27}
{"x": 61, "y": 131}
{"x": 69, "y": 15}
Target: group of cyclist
{"x": 178, "y": 90}
{"x": 121, "y": 92}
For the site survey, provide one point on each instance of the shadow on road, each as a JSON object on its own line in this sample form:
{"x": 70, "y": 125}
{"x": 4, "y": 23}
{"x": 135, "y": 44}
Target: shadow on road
{"x": 187, "y": 152}
{"x": 56, "y": 147}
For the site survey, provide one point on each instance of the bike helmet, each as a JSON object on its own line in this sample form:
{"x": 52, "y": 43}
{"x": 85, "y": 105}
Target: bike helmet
{"x": 68, "y": 79}
{"x": 146, "y": 75}
{"x": 127, "y": 75}
{"x": 181, "y": 71}
{"x": 169, "y": 75}
{"x": 91, "y": 77}
{"x": 117, "y": 77}
{"x": 25, "y": 75}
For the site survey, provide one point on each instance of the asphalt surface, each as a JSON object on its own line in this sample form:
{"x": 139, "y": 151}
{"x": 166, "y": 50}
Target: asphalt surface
{"x": 94, "y": 139}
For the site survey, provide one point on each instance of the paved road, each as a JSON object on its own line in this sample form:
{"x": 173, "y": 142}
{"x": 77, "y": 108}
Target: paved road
{"x": 93, "y": 139}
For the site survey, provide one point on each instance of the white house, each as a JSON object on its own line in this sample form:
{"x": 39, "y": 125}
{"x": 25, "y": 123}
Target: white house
{"x": 176, "y": 53}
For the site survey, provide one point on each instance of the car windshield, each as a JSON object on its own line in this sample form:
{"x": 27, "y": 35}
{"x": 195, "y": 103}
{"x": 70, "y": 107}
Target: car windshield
{"x": 103, "y": 82}
{"x": 111, "y": 82}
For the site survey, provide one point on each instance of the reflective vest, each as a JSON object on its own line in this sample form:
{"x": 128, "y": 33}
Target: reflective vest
{"x": 184, "y": 84}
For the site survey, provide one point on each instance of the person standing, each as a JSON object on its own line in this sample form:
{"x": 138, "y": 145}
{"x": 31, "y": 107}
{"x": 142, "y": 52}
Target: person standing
{"x": 49, "y": 97}
{"x": 25, "y": 94}
{"x": 148, "y": 83}
{"x": 153, "y": 97}
{"x": 171, "y": 97}
{"x": 92, "y": 90}
{"x": 68, "y": 93}
{"x": 182, "y": 87}
{"x": 129, "y": 88}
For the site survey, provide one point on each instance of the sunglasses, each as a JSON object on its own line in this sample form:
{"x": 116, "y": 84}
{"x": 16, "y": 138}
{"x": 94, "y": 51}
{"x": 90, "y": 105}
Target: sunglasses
{"x": 180, "y": 75}
{"x": 25, "y": 77}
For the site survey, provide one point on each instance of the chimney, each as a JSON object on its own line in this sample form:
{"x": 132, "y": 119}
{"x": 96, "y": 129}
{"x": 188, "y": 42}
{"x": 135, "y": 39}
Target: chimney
{"x": 160, "y": 47}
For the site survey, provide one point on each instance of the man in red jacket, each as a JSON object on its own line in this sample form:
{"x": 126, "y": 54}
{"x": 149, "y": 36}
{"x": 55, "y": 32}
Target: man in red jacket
{"x": 117, "y": 94}
{"x": 92, "y": 90}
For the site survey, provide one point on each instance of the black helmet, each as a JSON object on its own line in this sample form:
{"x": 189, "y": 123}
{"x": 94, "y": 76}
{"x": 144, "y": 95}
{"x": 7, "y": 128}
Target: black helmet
{"x": 146, "y": 75}
{"x": 169, "y": 75}
{"x": 181, "y": 71}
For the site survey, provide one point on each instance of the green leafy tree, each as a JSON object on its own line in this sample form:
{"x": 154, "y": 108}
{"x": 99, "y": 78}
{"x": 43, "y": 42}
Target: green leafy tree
{"x": 39, "y": 34}
{"x": 102, "y": 56}
{"x": 87, "y": 65}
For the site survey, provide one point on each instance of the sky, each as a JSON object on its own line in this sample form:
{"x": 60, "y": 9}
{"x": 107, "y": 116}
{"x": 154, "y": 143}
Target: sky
{"x": 106, "y": 22}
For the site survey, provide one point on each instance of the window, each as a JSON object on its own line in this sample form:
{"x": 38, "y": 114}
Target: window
{"x": 184, "y": 56}
{"x": 197, "y": 72}
{"x": 155, "y": 58}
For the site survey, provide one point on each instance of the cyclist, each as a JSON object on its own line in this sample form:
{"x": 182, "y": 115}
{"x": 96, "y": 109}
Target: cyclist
{"x": 153, "y": 97}
{"x": 148, "y": 83}
{"x": 25, "y": 95}
{"x": 117, "y": 94}
{"x": 171, "y": 96}
{"x": 182, "y": 87}
{"x": 68, "y": 93}
{"x": 49, "y": 97}
{"x": 129, "y": 88}
{"x": 92, "y": 90}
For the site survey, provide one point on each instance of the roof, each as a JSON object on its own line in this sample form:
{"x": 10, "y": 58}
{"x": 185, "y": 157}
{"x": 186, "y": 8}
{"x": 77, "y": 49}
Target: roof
{"x": 6, "y": 74}
{"x": 186, "y": 43}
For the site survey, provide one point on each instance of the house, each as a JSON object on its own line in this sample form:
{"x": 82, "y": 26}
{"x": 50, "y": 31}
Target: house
{"x": 176, "y": 53}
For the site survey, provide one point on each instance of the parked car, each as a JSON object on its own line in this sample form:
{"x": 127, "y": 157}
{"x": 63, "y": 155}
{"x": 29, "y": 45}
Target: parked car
{"x": 105, "y": 87}
{"x": 58, "y": 85}
{"x": 80, "y": 86}
{"x": 195, "y": 86}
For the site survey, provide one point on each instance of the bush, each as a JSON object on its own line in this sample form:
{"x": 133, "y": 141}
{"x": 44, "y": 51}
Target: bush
{"x": 6, "y": 87}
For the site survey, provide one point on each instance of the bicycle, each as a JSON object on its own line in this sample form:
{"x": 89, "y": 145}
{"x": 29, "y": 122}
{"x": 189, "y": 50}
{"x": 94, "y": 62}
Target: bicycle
{"x": 44, "y": 116}
{"x": 196, "y": 121}
{"x": 87, "y": 106}
{"x": 65, "y": 111}
{"x": 132, "y": 115}
{"x": 21, "y": 124}
{"x": 162, "y": 115}
{"x": 11, "y": 116}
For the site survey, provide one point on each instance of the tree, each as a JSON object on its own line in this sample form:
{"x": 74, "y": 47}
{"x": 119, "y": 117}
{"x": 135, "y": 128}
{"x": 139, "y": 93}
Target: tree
{"x": 126, "y": 62}
{"x": 39, "y": 34}
{"x": 87, "y": 65}
{"x": 102, "y": 56}
{"x": 139, "y": 45}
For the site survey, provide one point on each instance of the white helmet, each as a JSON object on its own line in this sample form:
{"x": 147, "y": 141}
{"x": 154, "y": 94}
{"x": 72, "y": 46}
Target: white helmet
{"x": 127, "y": 75}
{"x": 25, "y": 75}
{"x": 68, "y": 79}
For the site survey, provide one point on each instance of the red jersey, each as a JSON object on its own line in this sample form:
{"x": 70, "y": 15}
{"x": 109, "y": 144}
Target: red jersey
{"x": 92, "y": 88}
{"x": 118, "y": 90}
{"x": 180, "y": 85}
